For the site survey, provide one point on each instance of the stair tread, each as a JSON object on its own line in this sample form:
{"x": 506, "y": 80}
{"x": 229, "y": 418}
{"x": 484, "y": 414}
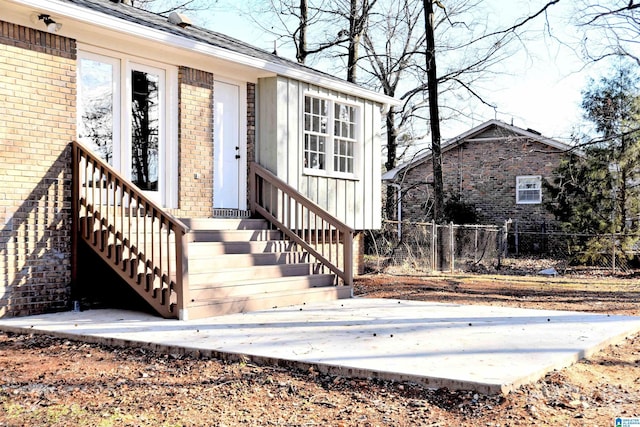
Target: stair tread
{"x": 196, "y": 224}
{"x": 230, "y": 284}
{"x": 245, "y": 273}
{"x": 230, "y": 256}
{"x": 259, "y": 288}
{"x": 275, "y": 294}
{"x": 235, "y": 235}
{"x": 204, "y": 243}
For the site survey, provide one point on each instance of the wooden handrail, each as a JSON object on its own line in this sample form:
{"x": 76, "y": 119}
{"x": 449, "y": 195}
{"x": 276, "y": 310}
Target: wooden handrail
{"x": 314, "y": 229}
{"x": 146, "y": 245}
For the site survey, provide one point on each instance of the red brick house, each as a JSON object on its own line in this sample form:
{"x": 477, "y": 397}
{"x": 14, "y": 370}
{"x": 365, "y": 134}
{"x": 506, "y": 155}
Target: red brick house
{"x": 495, "y": 168}
{"x": 128, "y": 135}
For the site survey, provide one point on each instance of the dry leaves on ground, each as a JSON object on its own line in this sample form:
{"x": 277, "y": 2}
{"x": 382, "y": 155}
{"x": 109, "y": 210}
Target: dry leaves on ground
{"x": 46, "y": 381}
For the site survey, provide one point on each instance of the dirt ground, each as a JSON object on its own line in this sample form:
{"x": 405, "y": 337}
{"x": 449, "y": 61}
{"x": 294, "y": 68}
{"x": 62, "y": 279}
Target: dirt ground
{"x": 45, "y": 381}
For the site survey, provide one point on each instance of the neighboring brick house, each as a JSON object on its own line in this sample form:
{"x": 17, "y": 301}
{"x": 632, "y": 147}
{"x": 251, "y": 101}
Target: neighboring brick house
{"x": 80, "y": 70}
{"x": 495, "y": 168}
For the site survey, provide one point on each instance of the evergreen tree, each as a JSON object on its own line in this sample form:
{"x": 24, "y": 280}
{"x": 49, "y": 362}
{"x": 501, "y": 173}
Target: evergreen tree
{"x": 598, "y": 191}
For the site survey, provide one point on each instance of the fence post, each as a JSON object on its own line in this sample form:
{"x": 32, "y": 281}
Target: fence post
{"x": 516, "y": 241}
{"x": 502, "y": 252}
{"x": 452, "y": 248}
{"x": 613, "y": 254}
{"x": 434, "y": 242}
{"x": 475, "y": 246}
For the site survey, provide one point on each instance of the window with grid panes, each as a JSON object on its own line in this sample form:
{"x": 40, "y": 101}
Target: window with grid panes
{"x": 330, "y": 137}
{"x": 528, "y": 189}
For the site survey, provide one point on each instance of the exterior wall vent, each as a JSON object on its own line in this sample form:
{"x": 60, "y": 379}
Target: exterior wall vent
{"x": 179, "y": 19}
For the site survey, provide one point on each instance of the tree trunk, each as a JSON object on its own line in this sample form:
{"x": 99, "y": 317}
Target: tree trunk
{"x": 301, "y": 43}
{"x": 432, "y": 85}
{"x": 354, "y": 42}
{"x": 356, "y": 26}
{"x": 392, "y": 146}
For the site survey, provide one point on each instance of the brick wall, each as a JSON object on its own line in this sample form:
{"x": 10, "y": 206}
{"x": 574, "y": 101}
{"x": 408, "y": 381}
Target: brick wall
{"x": 358, "y": 253}
{"x": 251, "y": 130}
{"x": 484, "y": 174}
{"x": 37, "y": 122}
{"x": 196, "y": 143}
{"x": 196, "y": 92}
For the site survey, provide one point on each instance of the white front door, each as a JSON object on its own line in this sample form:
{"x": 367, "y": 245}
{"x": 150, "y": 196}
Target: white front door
{"x": 229, "y": 142}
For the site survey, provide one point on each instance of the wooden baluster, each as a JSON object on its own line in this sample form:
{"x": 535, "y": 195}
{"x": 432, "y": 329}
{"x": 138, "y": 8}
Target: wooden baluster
{"x": 160, "y": 261}
{"x": 94, "y": 221}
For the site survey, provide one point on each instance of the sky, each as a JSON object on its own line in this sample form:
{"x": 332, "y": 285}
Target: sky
{"x": 540, "y": 87}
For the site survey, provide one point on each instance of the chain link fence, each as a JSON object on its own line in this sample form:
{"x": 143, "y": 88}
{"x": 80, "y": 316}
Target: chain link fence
{"x": 422, "y": 248}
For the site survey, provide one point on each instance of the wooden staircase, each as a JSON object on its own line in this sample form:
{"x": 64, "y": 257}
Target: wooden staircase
{"x": 239, "y": 265}
{"x": 195, "y": 268}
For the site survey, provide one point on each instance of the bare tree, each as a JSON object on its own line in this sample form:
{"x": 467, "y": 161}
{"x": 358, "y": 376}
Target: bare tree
{"x": 394, "y": 55}
{"x": 432, "y": 88}
{"x": 434, "y": 115}
{"x": 333, "y": 28}
{"x": 293, "y": 22}
{"x": 611, "y": 28}
{"x": 165, "y": 7}
{"x": 358, "y": 17}
{"x": 400, "y": 64}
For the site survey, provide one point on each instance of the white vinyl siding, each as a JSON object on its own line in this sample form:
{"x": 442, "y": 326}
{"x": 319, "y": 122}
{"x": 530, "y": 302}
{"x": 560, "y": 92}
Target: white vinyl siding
{"x": 529, "y": 189}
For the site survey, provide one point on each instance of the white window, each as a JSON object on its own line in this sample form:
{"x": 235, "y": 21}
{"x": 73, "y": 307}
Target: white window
{"x": 330, "y": 136}
{"x": 528, "y": 189}
{"x": 127, "y": 114}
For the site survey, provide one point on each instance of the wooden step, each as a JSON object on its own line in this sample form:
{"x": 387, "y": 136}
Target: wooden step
{"x": 197, "y": 224}
{"x": 203, "y": 264}
{"x": 234, "y": 265}
{"x": 199, "y": 249}
{"x": 263, "y": 271}
{"x": 199, "y": 294}
{"x": 234, "y": 235}
{"x": 241, "y": 304}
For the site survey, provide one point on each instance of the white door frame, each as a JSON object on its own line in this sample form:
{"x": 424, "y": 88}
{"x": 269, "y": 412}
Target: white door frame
{"x": 157, "y": 195}
{"x": 122, "y": 65}
{"x": 240, "y": 200}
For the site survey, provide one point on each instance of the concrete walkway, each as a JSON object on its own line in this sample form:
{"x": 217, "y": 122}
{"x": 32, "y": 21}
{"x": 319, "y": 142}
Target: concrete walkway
{"x": 489, "y": 349}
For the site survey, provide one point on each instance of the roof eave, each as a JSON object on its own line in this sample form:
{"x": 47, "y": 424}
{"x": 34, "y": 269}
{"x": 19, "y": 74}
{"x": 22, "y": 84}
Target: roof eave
{"x": 457, "y": 140}
{"x": 123, "y": 26}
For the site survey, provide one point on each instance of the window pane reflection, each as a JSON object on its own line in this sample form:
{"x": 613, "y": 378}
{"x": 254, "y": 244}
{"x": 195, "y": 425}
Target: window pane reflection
{"x": 95, "y": 113}
{"x": 145, "y": 125}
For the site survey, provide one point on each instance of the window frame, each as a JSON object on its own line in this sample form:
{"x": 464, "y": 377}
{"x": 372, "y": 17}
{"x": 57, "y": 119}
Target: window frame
{"x": 167, "y": 194}
{"x": 331, "y": 138}
{"x": 538, "y": 180}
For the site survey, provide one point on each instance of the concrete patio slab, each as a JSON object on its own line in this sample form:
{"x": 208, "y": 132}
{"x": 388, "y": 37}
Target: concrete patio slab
{"x": 489, "y": 349}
